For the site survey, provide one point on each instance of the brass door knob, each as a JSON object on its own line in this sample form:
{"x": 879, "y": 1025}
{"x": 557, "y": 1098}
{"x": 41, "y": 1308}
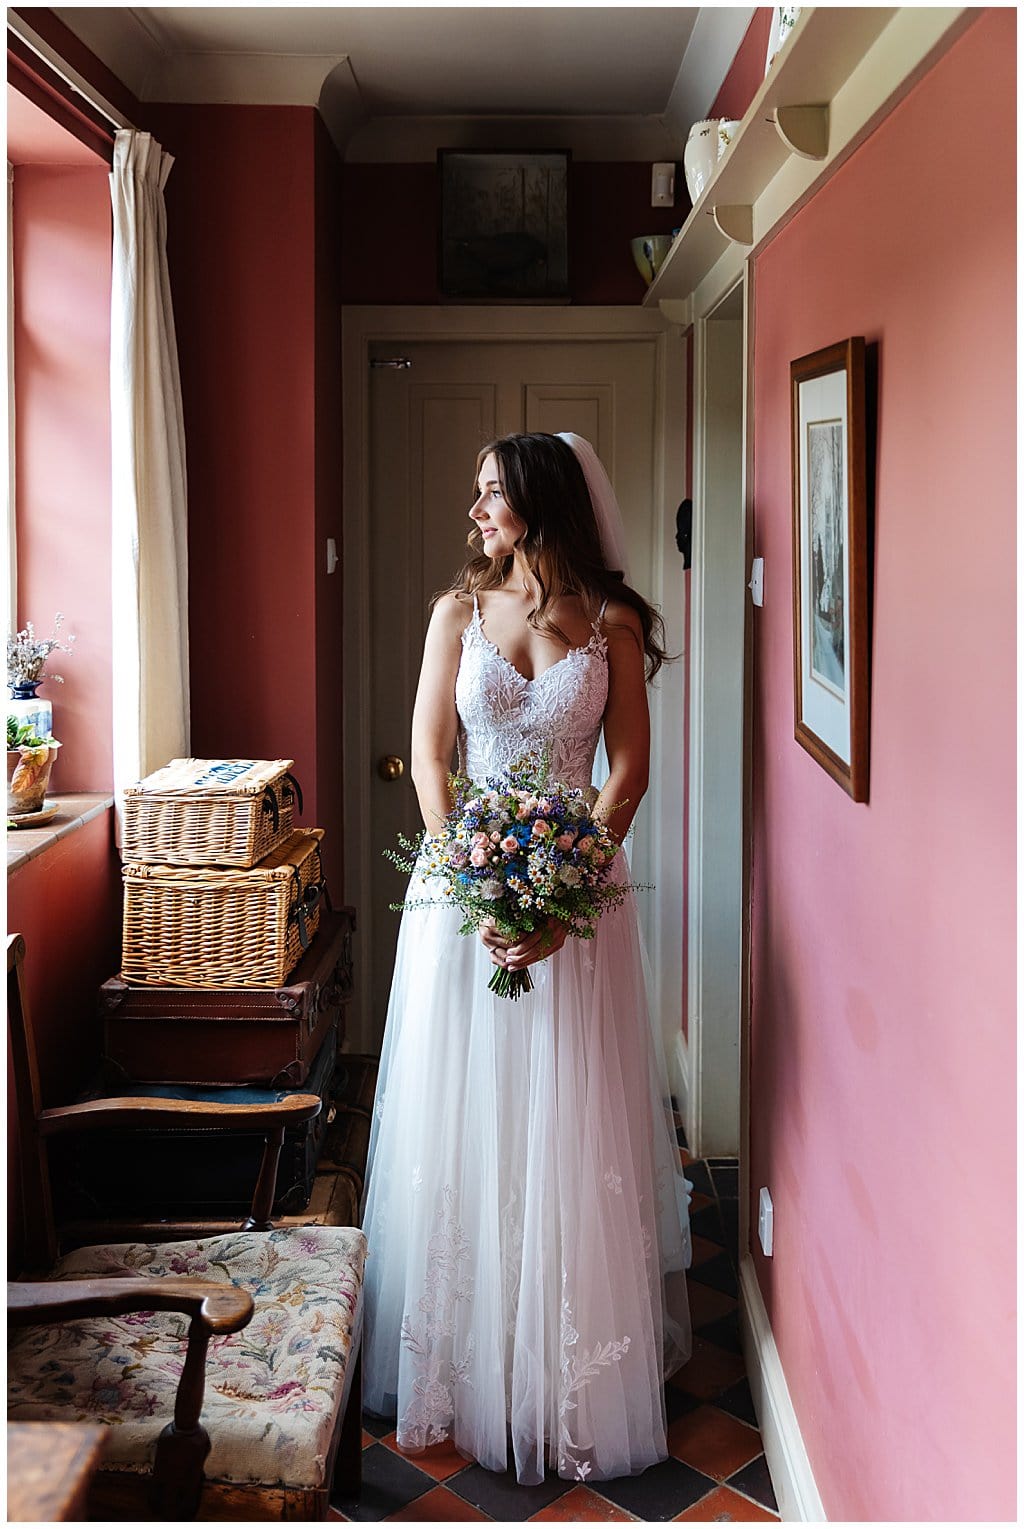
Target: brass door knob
{"x": 390, "y": 767}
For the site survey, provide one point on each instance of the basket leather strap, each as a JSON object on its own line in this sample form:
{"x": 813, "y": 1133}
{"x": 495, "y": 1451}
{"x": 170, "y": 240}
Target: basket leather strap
{"x": 270, "y": 805}
{"x": 291, "y": 782}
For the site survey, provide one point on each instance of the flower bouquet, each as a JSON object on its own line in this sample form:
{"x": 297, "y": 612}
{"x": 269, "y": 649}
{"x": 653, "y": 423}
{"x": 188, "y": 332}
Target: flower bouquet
{"x": 520, "y": 850}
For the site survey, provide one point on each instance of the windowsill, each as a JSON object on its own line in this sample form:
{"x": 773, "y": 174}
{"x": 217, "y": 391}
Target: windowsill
{"x": 24, "y": 844}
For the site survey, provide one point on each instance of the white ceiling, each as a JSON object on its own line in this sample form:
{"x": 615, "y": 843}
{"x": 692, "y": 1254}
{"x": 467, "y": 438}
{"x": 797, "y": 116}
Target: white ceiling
{"x": 660, "y": 65}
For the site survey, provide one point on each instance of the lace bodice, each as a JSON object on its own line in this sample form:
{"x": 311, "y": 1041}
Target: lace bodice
{"x": 504, "y": 717}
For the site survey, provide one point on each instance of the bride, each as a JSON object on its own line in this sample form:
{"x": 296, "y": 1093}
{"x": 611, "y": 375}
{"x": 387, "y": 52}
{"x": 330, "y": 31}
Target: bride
{"x": 525, "y": 1207}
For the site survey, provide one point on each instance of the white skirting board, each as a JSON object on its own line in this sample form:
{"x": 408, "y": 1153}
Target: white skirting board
{"x": 788, "y": 1465}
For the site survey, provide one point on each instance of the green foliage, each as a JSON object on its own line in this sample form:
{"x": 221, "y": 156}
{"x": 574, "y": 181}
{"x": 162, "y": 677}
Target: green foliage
{"x": 22, "y": 735}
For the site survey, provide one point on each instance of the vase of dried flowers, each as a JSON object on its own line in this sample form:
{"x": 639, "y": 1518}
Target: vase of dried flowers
{"x": 26, "y": 671}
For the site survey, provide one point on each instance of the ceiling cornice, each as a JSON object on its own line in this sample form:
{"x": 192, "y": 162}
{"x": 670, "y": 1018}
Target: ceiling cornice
{"x": 716, "y": 36}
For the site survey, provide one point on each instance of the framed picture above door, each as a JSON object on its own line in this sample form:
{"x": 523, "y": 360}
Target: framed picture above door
{"x": 504, "y": 229}
{"x": 830, "y": 562}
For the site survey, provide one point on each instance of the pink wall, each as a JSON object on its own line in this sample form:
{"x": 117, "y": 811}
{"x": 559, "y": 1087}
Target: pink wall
{"x": 66, "y": 901}
{"x": 882, "y": 1048}
{"x": 62, "y": 232}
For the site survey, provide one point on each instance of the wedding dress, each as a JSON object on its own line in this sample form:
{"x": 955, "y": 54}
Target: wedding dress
{"x": 526, "y": 1211}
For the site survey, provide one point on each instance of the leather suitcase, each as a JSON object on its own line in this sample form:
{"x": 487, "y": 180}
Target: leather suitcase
{"x": 161, "y": 1173}
{"x": 214, "y": 1036}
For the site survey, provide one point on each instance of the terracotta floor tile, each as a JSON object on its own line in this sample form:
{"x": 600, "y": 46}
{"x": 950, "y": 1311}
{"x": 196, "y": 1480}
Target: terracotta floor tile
{"x": 706, "y": 1303}
{"x": 703, "y": 1249}
{"x": 438, "y": 1506}
{"x": 698, "y": 1201}
{"x": 439, "y": 1461}
{"x": 713, "y": 1442}
{"x": 582, "y": 1506}
{"x": 725, "y": 1506}
{"x": 709, "y": 1370}
{"x": 368, "y": 1438}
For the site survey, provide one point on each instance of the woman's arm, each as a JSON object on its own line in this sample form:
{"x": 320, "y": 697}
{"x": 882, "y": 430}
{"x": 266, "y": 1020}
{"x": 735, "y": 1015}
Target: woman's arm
{"x": 627, "y": 723}
{"x": 434, "y": 718}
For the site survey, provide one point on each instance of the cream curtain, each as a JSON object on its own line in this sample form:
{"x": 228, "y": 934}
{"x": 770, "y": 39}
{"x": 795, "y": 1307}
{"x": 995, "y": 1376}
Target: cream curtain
{"x": 150, "y": 553}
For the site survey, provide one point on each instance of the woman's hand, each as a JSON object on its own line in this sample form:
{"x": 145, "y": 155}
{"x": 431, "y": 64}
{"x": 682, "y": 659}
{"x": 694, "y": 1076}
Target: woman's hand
{"x": 515, "y": 954}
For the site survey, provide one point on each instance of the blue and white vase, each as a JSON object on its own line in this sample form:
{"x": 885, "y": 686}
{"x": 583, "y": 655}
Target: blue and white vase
{"x": 31, "y": 708}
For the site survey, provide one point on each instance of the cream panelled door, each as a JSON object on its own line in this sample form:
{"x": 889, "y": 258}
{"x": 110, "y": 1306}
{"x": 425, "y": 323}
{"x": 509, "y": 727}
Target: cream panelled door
{"x": 426, "y": 423}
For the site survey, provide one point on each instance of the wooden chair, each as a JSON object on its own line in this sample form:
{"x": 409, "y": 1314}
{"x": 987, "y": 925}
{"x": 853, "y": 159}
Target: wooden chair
{"x": 226, "y": 1367}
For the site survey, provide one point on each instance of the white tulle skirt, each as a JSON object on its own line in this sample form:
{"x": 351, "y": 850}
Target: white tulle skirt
{"x": 525, "y": 1209}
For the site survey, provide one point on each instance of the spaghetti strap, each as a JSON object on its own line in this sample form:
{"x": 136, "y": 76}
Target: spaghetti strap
{"x": 600, "y": 614}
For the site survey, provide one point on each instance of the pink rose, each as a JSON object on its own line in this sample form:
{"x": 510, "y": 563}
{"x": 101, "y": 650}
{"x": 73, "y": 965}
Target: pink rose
{"x": 565, "y": 841}
{"x": 540, "y": 828}
{"x": 478, "y": 855}
{"x": 479, "y": 838}
{"x": 585, "y": 843}
{"x": 510, "y": 845}
{"x": 544, "y": 805}
{"x": 459, "y": 859}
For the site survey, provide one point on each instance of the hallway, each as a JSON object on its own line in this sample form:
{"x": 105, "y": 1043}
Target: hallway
{"x": 716, "y": 1469}
{"x": 836, "y": 964}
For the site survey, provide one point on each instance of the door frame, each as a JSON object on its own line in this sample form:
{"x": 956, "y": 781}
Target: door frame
{"x": 717, "y": 1107}
{"x": 363, "y": 326}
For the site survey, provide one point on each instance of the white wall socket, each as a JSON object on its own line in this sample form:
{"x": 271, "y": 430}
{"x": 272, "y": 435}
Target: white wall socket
{"x": 765, "y": 1222}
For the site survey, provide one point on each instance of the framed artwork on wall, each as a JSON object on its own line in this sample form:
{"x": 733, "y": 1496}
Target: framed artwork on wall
{"x": 504, "y": 226}
{"x": 830, "y": 562}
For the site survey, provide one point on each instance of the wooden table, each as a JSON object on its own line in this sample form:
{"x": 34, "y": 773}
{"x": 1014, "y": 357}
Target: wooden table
{"x": 49, "y": 1466}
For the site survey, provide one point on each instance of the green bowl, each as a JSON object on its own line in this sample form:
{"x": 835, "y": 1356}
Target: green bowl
{"x": 649, "y": 251}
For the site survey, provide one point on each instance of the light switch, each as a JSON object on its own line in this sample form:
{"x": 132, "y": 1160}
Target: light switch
{"x": 756, "y": 585}
{"x": 765, "y": 1219}
{"x": 663, "y": 185}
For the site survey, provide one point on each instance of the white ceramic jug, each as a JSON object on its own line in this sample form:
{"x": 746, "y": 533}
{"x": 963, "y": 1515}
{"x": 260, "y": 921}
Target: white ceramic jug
{"x": 700, "y": 156}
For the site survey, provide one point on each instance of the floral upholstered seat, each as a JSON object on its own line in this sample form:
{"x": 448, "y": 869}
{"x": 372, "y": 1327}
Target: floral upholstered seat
{"x": 273, "y": 1390}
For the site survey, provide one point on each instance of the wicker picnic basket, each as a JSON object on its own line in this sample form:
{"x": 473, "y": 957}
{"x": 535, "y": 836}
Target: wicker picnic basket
{"x": 210, "y": 812}
{"x": 203, "y": 927}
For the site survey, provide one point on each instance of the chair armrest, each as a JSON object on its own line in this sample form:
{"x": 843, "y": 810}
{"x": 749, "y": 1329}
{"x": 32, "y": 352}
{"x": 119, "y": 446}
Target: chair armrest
{"x": 176, "y": 1484}
{"x": 99, "y": 1114}
{"x": 219, "y": 1308}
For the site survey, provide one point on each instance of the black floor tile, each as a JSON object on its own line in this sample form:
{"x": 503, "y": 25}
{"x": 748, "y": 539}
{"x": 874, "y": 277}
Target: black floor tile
{"x": 718, "y": 1272}
{"x": 502, "y": 1497}
{"x": 681, "y": 1137}
{"x": 726, "y": 1181}
{"x": 659, "y": 1493}
{"x": 725, "y": 1332}
{"x": 699, "y": 1177}
{"x": 724, "y": 1162}
{"x": 729, "y": 1210}
{"x": 678, "y": 1402}
{"x": 738, "y": 1401}
{"x": 706, "y": 1222}
{"x": 389, "y": 1483}
{"x": 755, "y": 1481}
{"x": 379, "y": 1427}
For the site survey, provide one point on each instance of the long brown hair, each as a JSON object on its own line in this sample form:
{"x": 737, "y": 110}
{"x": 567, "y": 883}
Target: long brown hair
{"x": 543, "y": 483}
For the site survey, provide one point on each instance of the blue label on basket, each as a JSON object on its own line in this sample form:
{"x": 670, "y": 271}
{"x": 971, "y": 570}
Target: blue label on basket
{"x": 226, "y": 771}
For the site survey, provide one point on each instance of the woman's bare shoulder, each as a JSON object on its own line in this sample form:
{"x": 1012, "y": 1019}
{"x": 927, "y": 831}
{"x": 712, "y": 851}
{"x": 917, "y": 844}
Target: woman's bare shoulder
{"x": 619, "y": 616}
{"x": 452, "y": 613}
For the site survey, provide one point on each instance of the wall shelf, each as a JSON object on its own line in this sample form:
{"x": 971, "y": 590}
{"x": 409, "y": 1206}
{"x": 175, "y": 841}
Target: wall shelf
{"x": 820, "y": 98}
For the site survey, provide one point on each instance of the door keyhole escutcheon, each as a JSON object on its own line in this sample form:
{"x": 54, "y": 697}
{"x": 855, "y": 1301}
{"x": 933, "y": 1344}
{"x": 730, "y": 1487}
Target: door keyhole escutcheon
{"x": 390, "y": 767}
